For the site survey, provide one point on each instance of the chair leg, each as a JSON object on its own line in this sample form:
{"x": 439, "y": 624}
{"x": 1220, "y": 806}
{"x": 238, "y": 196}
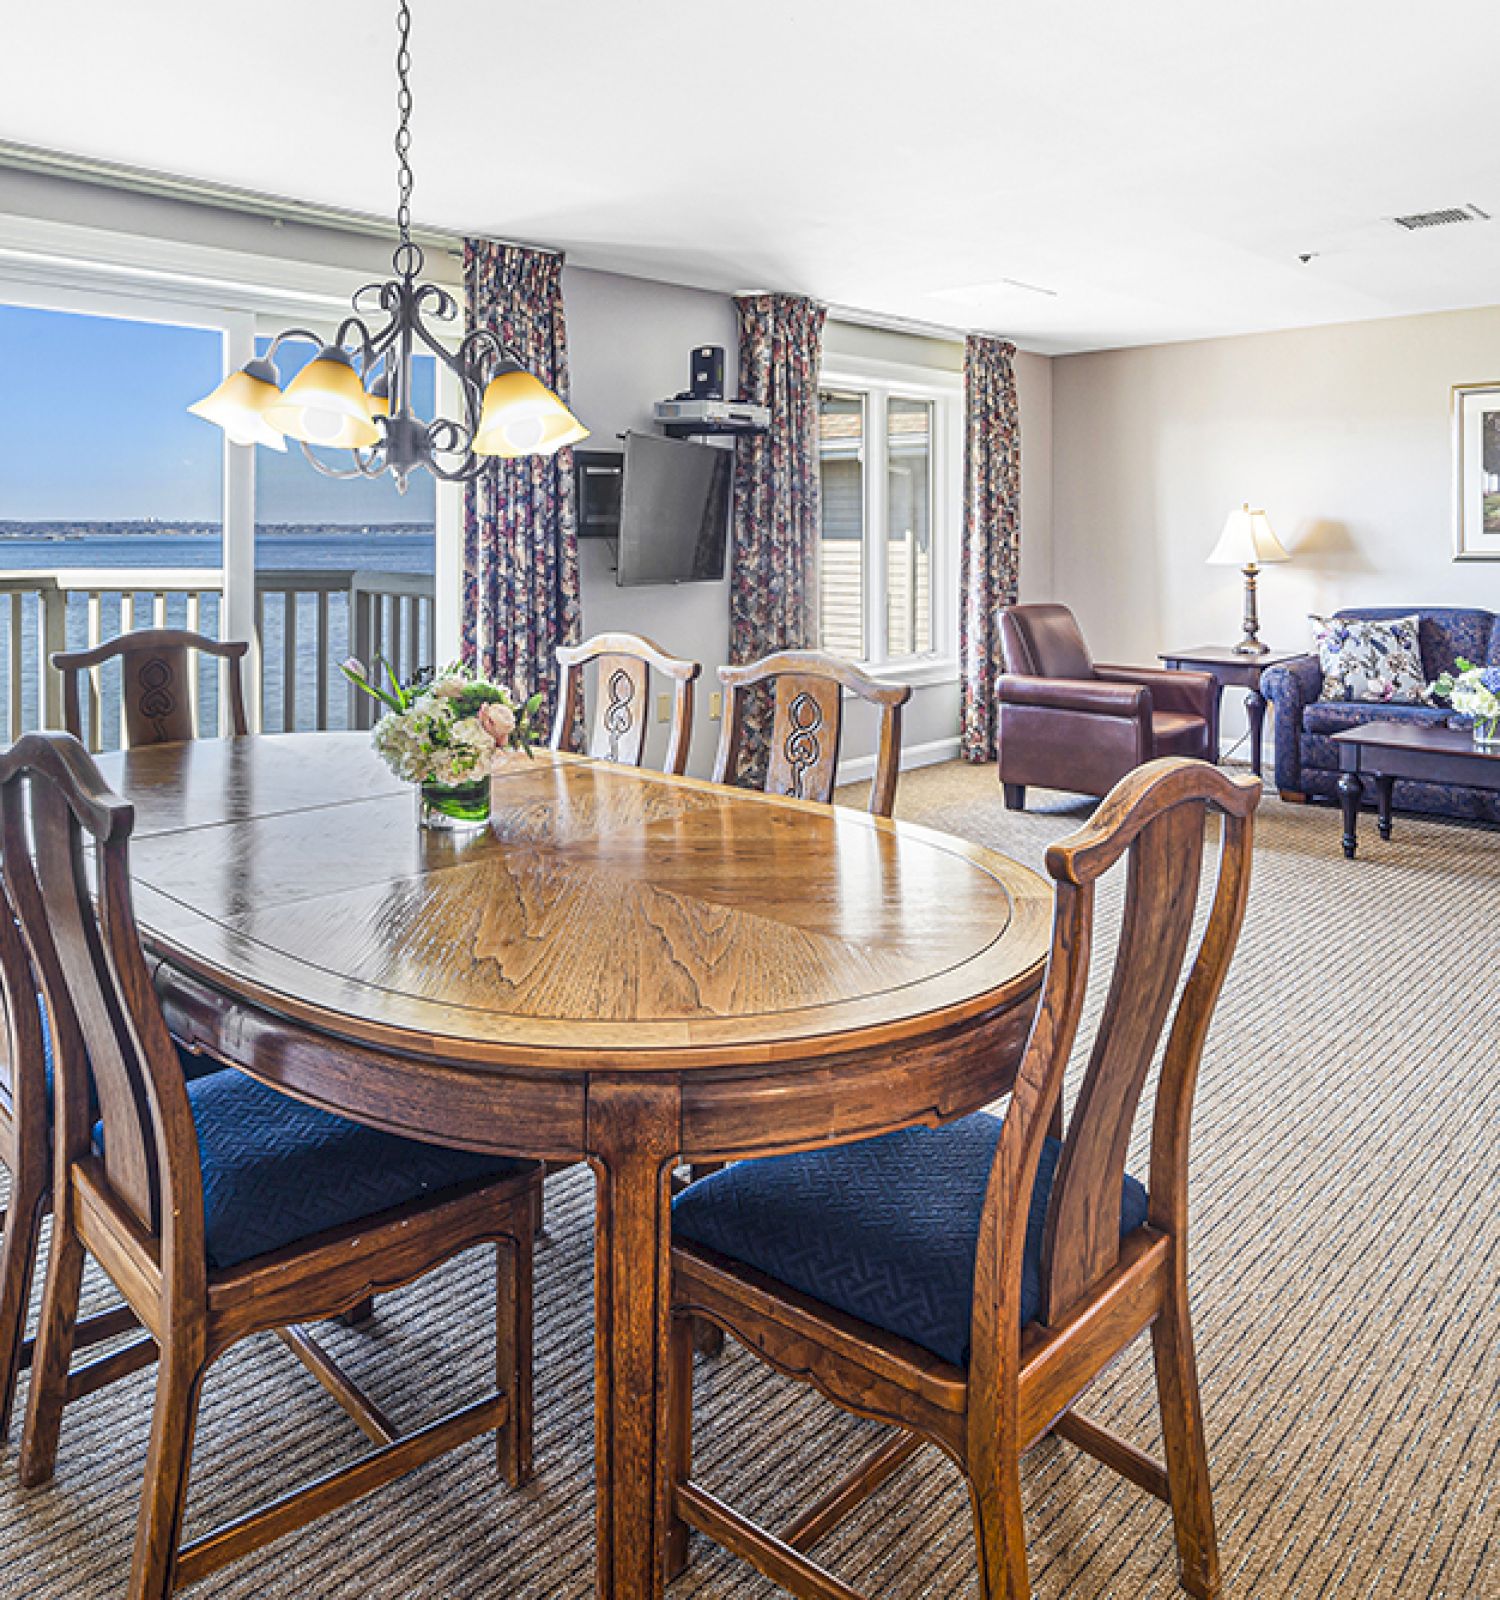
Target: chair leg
{"x": 18, "y": 1252}
{"x": 158, "y": 1529}
{"x": 708, "y": 1337}
{"x": 358, "y": 1314}
{"x": 53, "y": 1355}
{"x": 679, "y": 1437}
{"x": 1015, "y": 796}
{"x": 513, "y": 1357}
{"x": 1187, "y": 1455}
{"x": 999, "y": 1529}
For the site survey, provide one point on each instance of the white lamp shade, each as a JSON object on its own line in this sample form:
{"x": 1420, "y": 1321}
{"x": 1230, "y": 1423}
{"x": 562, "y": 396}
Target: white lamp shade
{"x": 326, "y": 404}
{"x": 240, "y": 403}
{"x": 521, "y": 416}
{"x": 1247, "y": 541}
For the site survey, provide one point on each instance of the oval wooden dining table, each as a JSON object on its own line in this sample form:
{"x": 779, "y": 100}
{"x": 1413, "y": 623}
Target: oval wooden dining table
{"x": 624, "y": 968}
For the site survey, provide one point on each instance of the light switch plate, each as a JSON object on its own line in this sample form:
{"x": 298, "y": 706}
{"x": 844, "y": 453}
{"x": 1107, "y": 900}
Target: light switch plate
{"x": 663, "y": 708}
{"x": 715, "y": 707}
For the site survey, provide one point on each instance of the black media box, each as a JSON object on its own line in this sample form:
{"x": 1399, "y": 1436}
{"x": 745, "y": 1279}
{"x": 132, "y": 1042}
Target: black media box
{"x": 708, "y": 373}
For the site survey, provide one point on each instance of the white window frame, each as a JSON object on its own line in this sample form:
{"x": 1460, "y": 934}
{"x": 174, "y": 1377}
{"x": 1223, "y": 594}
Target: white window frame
{"x": 877, "y": 382}
{"x": 448, "y": 506}
{"x": 55, "y": 266}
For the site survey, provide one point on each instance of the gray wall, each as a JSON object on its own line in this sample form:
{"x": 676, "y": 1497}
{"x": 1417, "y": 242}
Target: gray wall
{"x": 628, "y": 345}
{"x": 628, "y": 341}
{"x": 118, "y": 210}
{"x": 1343, "y": 435}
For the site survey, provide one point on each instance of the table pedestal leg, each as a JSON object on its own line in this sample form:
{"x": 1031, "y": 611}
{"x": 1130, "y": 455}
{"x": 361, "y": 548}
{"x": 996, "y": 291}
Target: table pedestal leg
{"x": 1255, "y": 713}
{"x": 1349, "y": 795}
{"x": 634, "y": 1134}
{"x": 1383, "y": 787}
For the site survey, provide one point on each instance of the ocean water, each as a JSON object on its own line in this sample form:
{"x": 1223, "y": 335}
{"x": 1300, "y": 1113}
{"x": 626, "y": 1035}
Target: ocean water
{"x": 311, "y": 549}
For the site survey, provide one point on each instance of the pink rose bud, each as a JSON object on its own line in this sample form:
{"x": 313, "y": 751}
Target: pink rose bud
{"x": 356, "y": 666}
{"x": 497, "y": 720}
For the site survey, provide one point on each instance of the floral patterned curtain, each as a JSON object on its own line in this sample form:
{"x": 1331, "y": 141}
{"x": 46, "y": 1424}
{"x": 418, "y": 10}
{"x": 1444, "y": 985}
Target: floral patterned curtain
{"x": 773, "y": 598}
{"x": 990, "y": 557}
{"x": 521, "y": 593}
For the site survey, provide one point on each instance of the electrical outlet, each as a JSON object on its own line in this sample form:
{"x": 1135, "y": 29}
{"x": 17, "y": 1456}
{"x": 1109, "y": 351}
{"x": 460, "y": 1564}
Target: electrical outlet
{"x": 663, "y": 708}
{"x": 715, "y": 707}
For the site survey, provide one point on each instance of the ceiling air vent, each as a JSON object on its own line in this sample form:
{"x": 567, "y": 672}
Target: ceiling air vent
{"x": 1440, "y": 219}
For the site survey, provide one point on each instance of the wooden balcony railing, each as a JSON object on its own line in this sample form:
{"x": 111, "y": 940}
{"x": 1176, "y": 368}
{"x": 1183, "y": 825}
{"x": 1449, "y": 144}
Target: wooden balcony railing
{"x": 306, "y": 623}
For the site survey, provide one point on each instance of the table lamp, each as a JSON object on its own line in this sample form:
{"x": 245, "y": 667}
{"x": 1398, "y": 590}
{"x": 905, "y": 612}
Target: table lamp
{"x": 1248, "y": 542}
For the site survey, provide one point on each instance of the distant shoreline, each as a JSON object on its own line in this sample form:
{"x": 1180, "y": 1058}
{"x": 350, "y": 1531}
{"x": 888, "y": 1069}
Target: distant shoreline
{"x": 73, "y": 531}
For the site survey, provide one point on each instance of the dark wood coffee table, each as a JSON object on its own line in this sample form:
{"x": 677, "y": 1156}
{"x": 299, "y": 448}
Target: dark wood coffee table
{"x": 1386, "y": 751}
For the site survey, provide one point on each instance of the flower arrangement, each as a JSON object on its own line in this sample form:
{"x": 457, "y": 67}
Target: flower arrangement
{"x": 1474, "y": 692}
{"x": 446, "y": 730}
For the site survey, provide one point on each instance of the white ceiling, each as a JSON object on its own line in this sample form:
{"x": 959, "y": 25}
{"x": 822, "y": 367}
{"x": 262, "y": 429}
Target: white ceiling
{"x": 1158, "y": 165}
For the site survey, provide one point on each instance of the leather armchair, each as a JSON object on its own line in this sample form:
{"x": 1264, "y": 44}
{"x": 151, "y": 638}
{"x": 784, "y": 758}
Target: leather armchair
{"x": 1068, "y": 723}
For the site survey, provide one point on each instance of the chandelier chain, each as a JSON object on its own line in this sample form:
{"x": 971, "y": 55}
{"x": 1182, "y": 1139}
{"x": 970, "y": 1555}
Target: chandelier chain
{"x": 404, "y": 178}
{"x": 362, "y": 377}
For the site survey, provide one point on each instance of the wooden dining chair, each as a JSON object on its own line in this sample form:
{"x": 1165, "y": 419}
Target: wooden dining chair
{"x": 26, "y": 1154}
{"x": 157, "y": 698}
{"x": 222, "y": 1208}
{"x": 25, "y": 1150}
{"x": 622, "y": 710}
{"x": 967, "y": 1283}
{"x": 159, "y": 706}
{"x": 807, "y": 724}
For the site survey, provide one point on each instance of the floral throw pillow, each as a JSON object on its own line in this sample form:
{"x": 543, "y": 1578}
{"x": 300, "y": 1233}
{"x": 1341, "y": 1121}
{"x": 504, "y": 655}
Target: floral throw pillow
{"x": 1368, "y": 660}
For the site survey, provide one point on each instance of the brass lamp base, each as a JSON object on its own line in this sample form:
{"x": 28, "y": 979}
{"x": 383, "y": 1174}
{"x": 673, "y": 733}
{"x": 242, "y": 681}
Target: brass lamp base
{"x": 1251, "y": 644}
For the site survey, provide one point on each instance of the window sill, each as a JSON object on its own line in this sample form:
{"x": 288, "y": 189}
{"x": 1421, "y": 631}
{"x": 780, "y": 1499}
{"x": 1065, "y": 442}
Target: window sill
{"x": 921, "y": 672}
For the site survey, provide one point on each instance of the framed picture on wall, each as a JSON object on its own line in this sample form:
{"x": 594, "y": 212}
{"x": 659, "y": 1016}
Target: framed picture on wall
{"x": 1476, "y": 472}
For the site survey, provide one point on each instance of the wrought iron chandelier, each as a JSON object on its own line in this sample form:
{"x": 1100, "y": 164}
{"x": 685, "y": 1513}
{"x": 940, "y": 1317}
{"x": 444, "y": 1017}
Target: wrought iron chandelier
{"x": 356, "y": 392}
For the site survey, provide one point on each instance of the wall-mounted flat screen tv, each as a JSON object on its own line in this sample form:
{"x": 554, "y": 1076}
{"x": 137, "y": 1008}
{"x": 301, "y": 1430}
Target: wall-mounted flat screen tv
{"x": 674, "y": 511}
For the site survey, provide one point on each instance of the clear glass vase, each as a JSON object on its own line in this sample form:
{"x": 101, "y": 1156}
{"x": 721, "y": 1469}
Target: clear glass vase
{"x": 460, "y": 806}
{"x": 1487, "y": 734}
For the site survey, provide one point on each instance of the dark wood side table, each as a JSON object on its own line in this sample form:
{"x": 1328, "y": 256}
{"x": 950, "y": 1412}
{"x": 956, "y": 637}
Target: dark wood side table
{"x": 1386, "y": 751}
{"x": 1234, "y": 671}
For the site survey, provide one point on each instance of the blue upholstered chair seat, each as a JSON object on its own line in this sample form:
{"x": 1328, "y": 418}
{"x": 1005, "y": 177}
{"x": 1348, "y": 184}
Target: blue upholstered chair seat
{"x": 886, "y": 1230}
{"x": 276, "y": 1171}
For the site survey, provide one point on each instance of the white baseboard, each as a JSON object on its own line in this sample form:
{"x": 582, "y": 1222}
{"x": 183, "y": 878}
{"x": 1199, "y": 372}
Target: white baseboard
{"x": 862, "y": 768}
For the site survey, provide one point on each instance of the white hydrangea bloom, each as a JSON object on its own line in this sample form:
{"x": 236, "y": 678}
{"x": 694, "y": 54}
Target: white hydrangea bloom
{"x": 429, "y": 743}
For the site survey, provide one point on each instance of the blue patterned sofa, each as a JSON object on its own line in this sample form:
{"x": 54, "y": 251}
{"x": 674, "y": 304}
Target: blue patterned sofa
{"x": 1307, "y": 761}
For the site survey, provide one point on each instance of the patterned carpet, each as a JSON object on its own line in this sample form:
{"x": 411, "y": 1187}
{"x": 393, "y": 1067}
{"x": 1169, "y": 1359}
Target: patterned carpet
{"x": 1346, "y": 1256}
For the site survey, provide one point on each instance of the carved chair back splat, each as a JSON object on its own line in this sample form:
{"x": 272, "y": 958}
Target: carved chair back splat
{"x": 157, "y": 701}
{"x": 622, "y": 711}
{"x": 1099, "y": 1291}
{"x": 807, "y": 724}
{"x": 137, "y": 1205}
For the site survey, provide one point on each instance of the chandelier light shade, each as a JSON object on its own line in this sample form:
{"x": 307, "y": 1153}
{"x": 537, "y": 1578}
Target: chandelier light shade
{"x": 239, "y": 405}
{"x": 326, "y": 404}
{"x": 521, "y": 416}
{"x": 356, "y": 393}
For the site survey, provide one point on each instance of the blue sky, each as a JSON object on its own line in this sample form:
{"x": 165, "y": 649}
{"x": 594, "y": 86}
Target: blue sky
{"x": 94, "y": 427}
